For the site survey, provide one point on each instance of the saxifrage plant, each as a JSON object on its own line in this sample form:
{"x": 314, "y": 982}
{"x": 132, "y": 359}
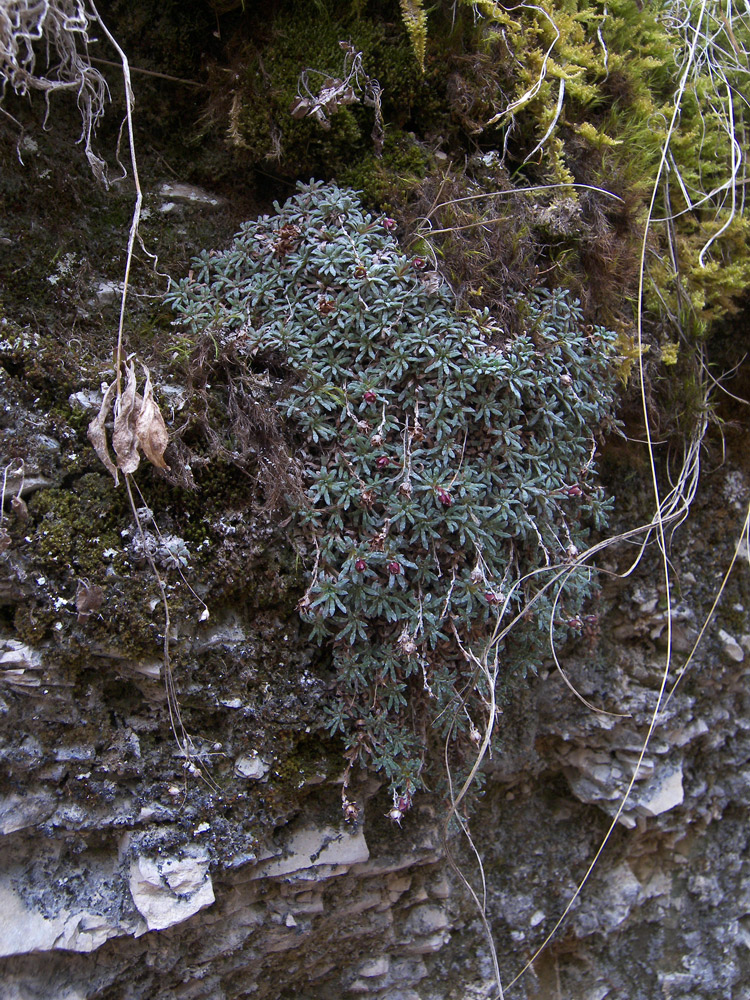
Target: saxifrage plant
{"x": 443, "y": 463}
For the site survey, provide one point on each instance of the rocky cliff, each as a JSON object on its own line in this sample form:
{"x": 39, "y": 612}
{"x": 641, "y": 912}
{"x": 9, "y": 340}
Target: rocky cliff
{"x": 150, "y": 854}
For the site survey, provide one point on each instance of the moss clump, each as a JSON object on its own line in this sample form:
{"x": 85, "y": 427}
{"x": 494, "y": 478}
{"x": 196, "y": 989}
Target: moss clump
{"x": 387, "y": 182}
{"x": 308, "y": 47}
{"x": 73, "y": 527}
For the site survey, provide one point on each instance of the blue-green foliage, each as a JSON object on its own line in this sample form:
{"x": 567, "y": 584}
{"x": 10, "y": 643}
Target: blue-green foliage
{"x": 442, "y": 461}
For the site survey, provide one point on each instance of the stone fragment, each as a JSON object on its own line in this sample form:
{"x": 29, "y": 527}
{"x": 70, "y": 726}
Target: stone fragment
{"x": 21, "y": 812}
{"x": 619, "y": 897}
{"x": 251, "y": 767}
{"x": 25, "y": 930}
{"x": 730, "y": 647}
{"x": 188, "y": 192}
{"x": 425, "y": 930}
{"x": 663, "y": 791}
{"x": 312, "y": 847}
{"x": 374, "y": 967}
{"x": 17, "y": 654}
{"x": 166, "y": 892}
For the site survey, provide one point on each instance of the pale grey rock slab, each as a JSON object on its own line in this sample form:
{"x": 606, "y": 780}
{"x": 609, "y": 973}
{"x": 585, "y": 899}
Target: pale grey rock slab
{"x": 21, "y": 812}
{"x": 166, "y": 892}
{"x": 26, "y": 930}
{"x": 730, "y": 647}
{"x": 251, "y": 767}
{"x": 188, "y": 192}
{"x": 334, "y": 848}
{"x": 663, "y": 792}
{"x": 374, "y": 967}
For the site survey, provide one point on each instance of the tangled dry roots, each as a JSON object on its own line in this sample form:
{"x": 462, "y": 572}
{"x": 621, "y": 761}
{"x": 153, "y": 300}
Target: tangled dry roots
{"x": 60, "y": 30}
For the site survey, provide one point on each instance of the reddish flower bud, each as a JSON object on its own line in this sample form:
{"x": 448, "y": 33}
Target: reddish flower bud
{"x": 445, "y": 498}
{"x": 491, "y": 597}
{"x": 574, "y": 491}
{"x": 419, "y": 263}
{"x": 360, "y": 272}
{"x": 389, "y": 224}
{"x": 360, "y": 565}
{"x": 383, "y": 461}
{"x": 370, "y": 396}
{"x": 394, "y": 568}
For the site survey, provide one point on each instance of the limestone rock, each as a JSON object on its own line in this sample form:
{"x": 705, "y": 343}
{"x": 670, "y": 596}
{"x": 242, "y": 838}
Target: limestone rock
{"x": 314, "y": 847}
{"x": 166, "y": 892}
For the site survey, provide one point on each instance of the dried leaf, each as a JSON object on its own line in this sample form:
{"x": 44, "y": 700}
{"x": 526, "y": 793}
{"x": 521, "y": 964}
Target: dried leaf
{"x": 300, "y": 107}
{"x": 150, "y": 429}
{"x": 124, "y": 439}
{"x": 334, "y": 94}
{"x": 18, "y": 505}
{"x": 97, "y": 435}
{"x": 5, "y": 540}
{"x": 88, "y": 598}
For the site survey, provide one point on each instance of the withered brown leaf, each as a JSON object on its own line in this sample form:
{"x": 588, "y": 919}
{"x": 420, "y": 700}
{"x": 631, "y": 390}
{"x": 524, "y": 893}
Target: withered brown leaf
{"x": 18, "y": 505}
{"x": 89, "y": 597}
{"x": 124, "y": 439}
{"x": 150, "y": 429}
{"x": 138, "y": 425}
{"x": 96, "y": 432}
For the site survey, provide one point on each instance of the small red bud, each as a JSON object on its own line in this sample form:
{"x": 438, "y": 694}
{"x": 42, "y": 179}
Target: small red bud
{"x": 360, "y": 565}
{"x": 383, "y": 461}
{"x": 418, "y": 263}
{"x": 491, "y": 597}
{"x": 370, "y": 396}
{"x": 326, "y": 306}
{"x": 394, "y": 568}
{"x": 445, "y": 498}
{"x": 389, "y": 224}
{"x": 574, "y": 491}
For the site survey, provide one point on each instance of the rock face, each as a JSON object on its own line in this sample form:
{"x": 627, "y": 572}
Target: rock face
{"x": 139, "y": 860}
{"x": 125, "y": 882}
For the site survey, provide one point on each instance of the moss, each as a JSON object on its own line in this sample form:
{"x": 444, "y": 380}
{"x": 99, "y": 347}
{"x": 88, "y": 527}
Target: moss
{"x": 387, "y": 182}
{"x": 308, "y": 39}
{"x": 73, "y": 527}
